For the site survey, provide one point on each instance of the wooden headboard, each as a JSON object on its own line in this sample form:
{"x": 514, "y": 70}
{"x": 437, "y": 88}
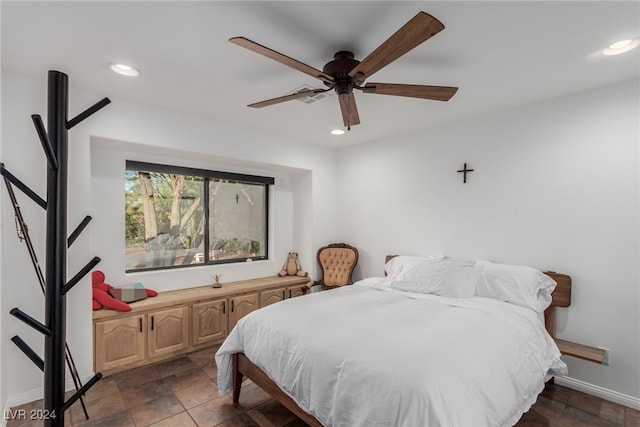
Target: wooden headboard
{"x": 561, "y": 297}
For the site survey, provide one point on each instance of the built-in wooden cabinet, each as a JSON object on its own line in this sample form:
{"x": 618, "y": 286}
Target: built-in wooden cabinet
{"x": 168, "y": 332}
{"x": 242, "y": 305}
{"x": 296, "y": 291}
{"x": 177, "y": 322}
{"x": 120, "y": 342}
{"x": 272, "y": 296}
{"x": 208, "y": 321}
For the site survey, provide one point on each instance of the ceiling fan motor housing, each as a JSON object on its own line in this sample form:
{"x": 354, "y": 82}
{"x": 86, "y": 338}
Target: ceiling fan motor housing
{"x": 339, "y": 68}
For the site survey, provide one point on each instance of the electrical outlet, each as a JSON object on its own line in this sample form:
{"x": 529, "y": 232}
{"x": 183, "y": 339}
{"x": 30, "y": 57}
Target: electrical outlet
{"x": 605, "y": 356}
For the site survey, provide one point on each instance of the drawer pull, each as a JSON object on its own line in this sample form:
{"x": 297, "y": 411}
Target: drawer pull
{"x": 140, "y": 323}
{"x": 224, "y": 307}
{"x": 232, "y": 305}
{"x": 152, "y": 322}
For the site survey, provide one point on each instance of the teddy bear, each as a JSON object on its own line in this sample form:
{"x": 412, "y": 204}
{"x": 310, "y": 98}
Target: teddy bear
{"x": 292, "y": 267}
{"x": 102, "y": 297}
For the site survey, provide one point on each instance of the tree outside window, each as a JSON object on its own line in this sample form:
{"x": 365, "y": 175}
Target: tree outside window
{"x": 172, "y": 214}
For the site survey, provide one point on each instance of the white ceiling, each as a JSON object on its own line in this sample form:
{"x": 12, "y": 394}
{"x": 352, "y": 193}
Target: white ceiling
{"x": 500, "y": 54}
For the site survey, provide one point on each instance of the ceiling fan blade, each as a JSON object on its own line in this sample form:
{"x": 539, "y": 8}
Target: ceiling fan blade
{"x": 438, "y": 93}
{"x": 283, "y": 59}
{"x": 349, "y": 110}
{"x": 297, "y": 95}
{"x": 420, "y": 28}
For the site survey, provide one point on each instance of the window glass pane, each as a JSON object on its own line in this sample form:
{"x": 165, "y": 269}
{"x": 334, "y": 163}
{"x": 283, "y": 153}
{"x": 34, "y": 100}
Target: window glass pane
{"x": 164, "y": 220}
{"x": 237, "y": 226}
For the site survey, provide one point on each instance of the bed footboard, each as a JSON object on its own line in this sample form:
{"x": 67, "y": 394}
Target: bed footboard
{"x": 243, "y": 367}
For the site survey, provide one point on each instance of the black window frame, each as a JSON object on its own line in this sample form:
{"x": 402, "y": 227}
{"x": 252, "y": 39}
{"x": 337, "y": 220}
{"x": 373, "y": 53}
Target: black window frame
{"x": 207, "y": 175}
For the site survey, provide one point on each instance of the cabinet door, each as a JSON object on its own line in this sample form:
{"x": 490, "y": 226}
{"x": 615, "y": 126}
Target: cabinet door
{"x": 209, "y": 320}
{"x": 241, "y": 306}
{"x": 168, "y": 331}
{"x": 296, "y": 291}
{"x": 272, "y": 296}
{"x": 119, "y": 342}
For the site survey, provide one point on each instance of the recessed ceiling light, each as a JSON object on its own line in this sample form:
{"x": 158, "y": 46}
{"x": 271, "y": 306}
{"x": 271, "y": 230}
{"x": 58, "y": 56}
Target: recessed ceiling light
{"x": 621, "y": 47}
{"x": 337, "y": 132}
{"x": 124, "y": 69}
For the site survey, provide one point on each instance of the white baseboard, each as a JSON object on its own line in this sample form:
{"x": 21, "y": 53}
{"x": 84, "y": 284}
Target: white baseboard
{"x": 601, "y": 392}
{"x": 33, "y": 395}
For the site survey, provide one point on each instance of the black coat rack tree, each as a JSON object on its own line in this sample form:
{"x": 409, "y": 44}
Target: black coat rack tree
{"x": 54, "y": 140}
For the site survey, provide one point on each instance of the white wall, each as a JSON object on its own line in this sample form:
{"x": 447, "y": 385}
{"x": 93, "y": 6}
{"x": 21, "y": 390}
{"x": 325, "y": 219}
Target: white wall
{"x": 305, "y": 183}
{"x": 555, "y": 186}
{"x": 3, "y": 385}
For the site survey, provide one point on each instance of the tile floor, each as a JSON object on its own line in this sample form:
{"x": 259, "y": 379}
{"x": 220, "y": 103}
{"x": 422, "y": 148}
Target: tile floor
{"x": 183, "y": 393}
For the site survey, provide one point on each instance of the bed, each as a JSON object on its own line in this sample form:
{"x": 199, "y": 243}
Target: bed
{"x": 386, "y": 352}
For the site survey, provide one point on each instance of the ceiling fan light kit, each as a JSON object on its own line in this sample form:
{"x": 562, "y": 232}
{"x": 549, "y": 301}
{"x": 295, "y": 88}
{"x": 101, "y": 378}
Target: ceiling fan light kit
{"x": 344, "y": 73}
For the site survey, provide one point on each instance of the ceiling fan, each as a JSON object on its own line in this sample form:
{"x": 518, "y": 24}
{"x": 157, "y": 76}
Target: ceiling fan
{"x": 345, "y": 73}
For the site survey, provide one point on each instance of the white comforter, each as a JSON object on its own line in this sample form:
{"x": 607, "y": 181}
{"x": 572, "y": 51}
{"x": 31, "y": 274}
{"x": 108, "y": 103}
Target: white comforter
{"x": 367, "y": 355}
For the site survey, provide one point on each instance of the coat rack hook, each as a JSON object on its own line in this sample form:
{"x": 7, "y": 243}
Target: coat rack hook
{"x": 44, "y": 140}
{"x": 19, "y": 314}
{"x": 82, "y": 391}
{"x": 89, "y": 111}
{"x": 79, "y": 229}
{"x": 12, "y": 179}
{"x": 37, "y": 360}
{"x": 75, "y": 279}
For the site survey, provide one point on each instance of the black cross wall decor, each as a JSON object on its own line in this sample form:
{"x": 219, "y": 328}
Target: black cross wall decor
{"x": 464, "y": 171}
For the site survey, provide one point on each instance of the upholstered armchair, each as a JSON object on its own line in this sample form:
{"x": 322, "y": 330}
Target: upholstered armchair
{"x": 336, "y": 262}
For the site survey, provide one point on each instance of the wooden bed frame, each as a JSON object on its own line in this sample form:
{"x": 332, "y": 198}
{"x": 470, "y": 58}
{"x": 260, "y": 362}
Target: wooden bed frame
{"x": 243, "y": 367}
{"x": 561, "y": 297}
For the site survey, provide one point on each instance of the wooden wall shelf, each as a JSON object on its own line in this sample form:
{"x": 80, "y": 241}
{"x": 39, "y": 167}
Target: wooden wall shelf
{"x": 581, "y": 351}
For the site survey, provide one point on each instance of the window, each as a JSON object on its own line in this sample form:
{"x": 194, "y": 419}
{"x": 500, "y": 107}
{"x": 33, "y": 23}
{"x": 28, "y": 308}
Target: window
{"x": 173, "y": 213}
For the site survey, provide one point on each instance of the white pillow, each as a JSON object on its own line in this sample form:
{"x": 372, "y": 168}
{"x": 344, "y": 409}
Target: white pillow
{"x": 400, "y": 263}
{"x": 517, "y": 284}
{"x": 443, "y": 277}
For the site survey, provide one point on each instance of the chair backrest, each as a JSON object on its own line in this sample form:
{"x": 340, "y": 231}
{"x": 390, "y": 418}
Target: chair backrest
{"x": 337, "y": 262}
